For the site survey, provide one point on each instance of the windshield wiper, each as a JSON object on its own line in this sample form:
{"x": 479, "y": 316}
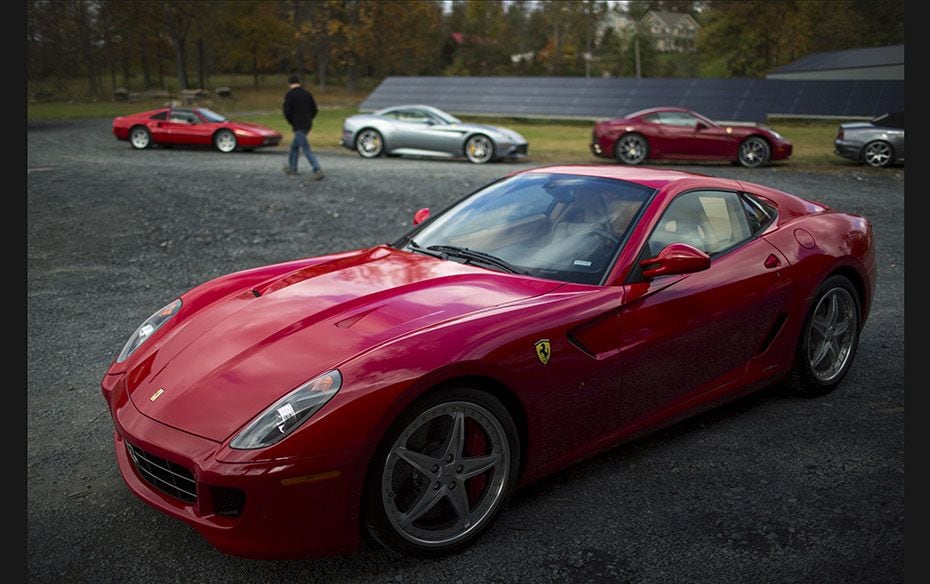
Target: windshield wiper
{"x": 414, "y": 246}
{"x": 478, "y": 256}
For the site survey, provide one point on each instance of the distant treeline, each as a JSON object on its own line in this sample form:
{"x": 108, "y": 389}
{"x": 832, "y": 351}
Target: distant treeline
{"x": 146, "y": 44}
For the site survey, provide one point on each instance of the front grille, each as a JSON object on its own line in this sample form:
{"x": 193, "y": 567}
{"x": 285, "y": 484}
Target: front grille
{"x": 166, "y": 476}
{"x": 522, "y": 149}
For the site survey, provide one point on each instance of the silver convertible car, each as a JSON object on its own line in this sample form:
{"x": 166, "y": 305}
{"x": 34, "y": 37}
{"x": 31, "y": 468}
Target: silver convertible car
{"x": 877, "y": 142}
{"x": 422, "y": 130}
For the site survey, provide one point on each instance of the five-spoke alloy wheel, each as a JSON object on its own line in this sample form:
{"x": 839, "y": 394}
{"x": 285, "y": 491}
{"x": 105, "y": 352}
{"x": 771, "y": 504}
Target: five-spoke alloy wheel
{"x": 829, "y": 338}
{"x": 443, "y": 472}
{"x": 140, "y": 138}
{"x": 225, "y": 141}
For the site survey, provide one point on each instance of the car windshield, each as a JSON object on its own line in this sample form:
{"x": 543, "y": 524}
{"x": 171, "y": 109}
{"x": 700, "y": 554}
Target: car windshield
{"x": 210, "y": 115}
{"x": 558, "y": 226}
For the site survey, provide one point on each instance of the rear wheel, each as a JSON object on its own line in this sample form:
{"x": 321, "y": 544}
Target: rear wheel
{"x": 878, "y": 154}
{"x": 828, "y": 340}
{"x": 224, "y": 141}
{"x": 140, "y": 138}
{"x": 442, "y": 473}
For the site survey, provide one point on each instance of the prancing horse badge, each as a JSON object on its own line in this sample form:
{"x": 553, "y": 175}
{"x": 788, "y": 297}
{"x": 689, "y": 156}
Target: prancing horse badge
{"x": 543, "y": 350}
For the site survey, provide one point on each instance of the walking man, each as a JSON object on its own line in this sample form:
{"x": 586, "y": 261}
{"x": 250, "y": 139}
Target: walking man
{"x": 299, "y": 110}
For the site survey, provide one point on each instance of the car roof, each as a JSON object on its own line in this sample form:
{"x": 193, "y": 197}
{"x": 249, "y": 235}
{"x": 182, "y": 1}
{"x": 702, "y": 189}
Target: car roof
{"x": 411, "y": 106}
{"x": 656, "y": 178}
{"x": 653, "y": 110}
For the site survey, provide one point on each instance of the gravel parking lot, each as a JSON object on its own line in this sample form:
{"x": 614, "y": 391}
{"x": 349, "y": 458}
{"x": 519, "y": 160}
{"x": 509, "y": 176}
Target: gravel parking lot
{"x": 771, "y": 488}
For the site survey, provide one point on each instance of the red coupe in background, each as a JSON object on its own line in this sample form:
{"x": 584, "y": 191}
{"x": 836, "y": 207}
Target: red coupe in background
{"x": 674, "y": 133}
{"x": 406, "y": 390}
{"x": 192, "y": 127}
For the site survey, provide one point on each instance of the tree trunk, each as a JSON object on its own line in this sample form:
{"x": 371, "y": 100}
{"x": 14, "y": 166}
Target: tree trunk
{"x": 201, "y": 73}
{"x": 255, "y": 64}
{"x": 146, "y": 73}
{"x": 80, "y": 15}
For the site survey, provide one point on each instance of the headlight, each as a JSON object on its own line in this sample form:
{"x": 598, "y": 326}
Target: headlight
{"x": 147, "y": 328}
{"x": 289, "y": 412}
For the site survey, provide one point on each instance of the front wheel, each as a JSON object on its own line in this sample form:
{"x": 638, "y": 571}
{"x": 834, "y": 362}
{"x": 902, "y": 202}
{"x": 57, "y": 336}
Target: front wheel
{"x": 631, "y": 149}
{"x": 828, "y": 340}
{"x": 754, "y": 152}
{"x": 479, "y": 149}
{"x": 442, "y": 473}
{"x": 878, "y": 154}
{"x": 224, "y": 141}
{"x": 369, "y": 143}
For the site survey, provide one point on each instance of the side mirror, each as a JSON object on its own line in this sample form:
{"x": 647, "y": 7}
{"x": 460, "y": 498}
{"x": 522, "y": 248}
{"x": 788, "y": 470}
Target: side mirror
{"x": 421, "y": 216}
{"x": 700, "y": 126}
{"x": 675, "y": 258}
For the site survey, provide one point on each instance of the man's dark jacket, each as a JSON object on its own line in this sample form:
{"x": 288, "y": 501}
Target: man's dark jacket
{"x": 299, "y": 108}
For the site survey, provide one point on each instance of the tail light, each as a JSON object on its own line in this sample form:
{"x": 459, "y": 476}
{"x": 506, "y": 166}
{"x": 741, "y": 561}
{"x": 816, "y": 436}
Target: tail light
{"x": 840, "y": 134}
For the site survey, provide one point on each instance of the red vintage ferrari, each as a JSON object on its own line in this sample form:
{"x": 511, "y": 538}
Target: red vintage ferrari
{"x": 404, "y": 391}
{"x": 674, "y": 133}
{"x": 192, "y": 127}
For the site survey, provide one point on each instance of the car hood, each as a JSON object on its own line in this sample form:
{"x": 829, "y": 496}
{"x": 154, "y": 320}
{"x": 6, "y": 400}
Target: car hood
{"x": 506, "y": 132}
{"x": 256, "y": 128}
{"x": 223, "y": 364}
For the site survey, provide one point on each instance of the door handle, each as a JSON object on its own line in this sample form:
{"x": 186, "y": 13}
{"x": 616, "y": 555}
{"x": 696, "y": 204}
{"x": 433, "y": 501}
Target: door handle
{"x": 772, "y": 261}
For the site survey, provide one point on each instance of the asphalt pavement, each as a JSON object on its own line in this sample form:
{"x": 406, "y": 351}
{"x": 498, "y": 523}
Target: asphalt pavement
{"x": 771, "y": 488}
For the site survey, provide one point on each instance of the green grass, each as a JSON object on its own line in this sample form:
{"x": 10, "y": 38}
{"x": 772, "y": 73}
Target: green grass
{"x": 550, "y": 141}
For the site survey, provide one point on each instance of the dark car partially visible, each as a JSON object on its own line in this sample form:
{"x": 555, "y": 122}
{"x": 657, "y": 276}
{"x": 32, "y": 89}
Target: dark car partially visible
{"x": 878, "y": 142}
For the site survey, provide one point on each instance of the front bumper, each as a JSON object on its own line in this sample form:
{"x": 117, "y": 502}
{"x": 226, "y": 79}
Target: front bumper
{"x": 347, "y": 140}
{"x": 782, "y": 150}
{"x": 295, "y": 507}
{"x": 518, "y": 150}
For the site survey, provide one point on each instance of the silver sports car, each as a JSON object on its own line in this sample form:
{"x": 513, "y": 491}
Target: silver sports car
{"x": 877, "y": 142}
{"x": 422, "y": 130}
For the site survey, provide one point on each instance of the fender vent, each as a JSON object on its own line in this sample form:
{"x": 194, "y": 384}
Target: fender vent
{"x": 773, "y": 332}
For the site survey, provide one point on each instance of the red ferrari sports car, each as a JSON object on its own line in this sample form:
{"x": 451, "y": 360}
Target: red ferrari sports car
{"x": 192, "y": 127}
{"x": 404, "y": 391}
{"x": 674, "y": 133}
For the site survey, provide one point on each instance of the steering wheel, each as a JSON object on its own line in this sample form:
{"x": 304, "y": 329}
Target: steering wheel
{"x": 602, "y": 232}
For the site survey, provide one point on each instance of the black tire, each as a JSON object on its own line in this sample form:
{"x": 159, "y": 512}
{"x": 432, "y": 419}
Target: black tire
{"x": 225, "y": 141}
{"x": 369, "y": 143}
{"x": 395, "y": 488}
{"x": 878, "y": 153}
{"x": 140, "y": 138}
{"x": 479, "y": 149}
{"x": 754, "y": 152}
{"x": 631, "y": 149}
{"x": 810, "y": 376}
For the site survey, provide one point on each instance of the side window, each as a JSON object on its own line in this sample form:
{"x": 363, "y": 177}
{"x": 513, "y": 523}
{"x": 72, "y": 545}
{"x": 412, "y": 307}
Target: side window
{"x": 183, "y": 117}
{"x": 758, "y": 213}
{"x": 412, "y": 116}
{"x": 678, "y": 119}
{"x": 653, "y": 119}
{"x": 711, "y": 221}
{"x": 160, "y": 116}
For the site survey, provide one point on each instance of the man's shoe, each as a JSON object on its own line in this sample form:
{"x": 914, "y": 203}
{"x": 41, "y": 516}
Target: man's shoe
{"x": 289, "y": 170}
{"x": 317, "y": 175}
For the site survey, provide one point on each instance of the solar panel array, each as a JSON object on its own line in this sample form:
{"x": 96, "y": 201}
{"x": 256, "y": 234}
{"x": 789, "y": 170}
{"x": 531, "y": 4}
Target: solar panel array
{"x": 748, "y": 100}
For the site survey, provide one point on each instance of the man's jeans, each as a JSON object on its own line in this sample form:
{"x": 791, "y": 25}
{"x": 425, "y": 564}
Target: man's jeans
{"x": 300, "y": 143}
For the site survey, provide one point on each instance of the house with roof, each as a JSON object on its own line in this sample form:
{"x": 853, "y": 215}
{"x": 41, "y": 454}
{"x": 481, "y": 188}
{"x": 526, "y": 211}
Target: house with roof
{"x": 870, "y": 63}
{"x": 671, "y": 31}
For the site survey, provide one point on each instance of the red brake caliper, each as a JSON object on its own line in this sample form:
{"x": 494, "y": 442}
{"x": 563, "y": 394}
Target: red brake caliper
{"x": 476, "y": 444}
